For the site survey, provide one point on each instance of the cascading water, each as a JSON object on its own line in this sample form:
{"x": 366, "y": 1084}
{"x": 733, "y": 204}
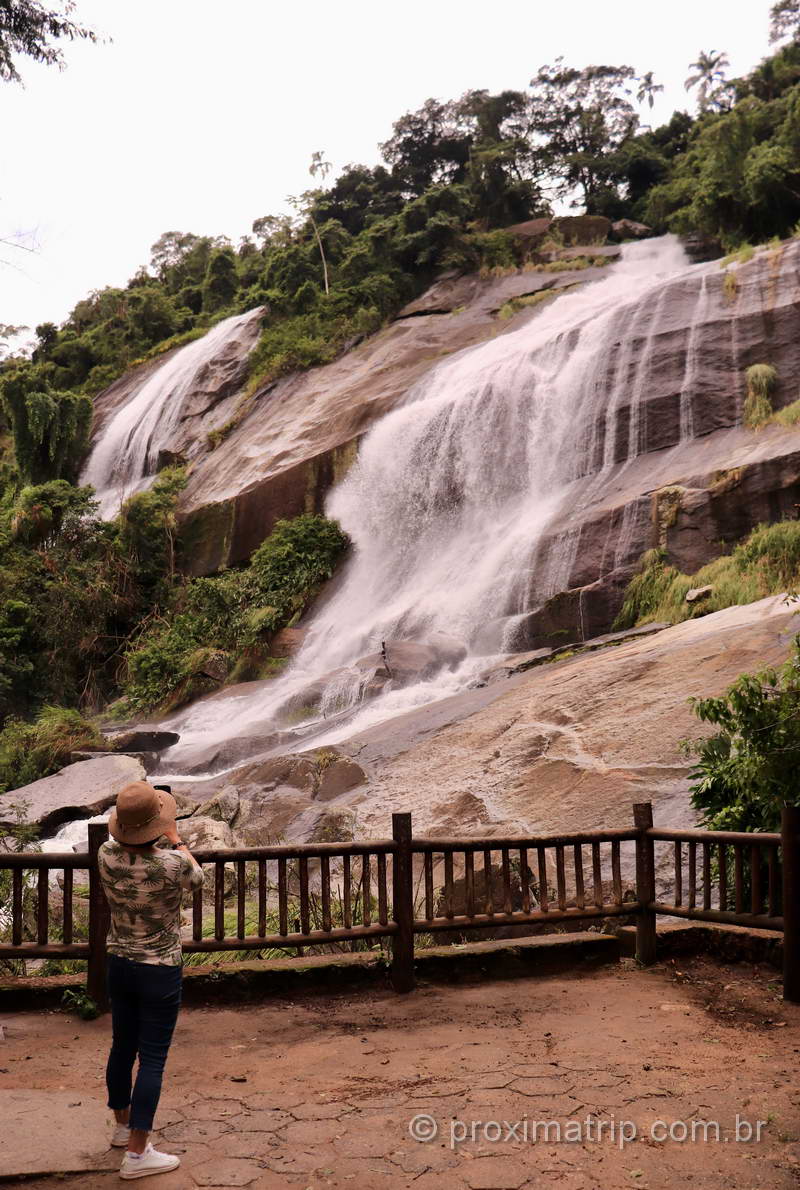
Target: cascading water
{"x": 126, "y": 455}
{"x": 449, "y": 501}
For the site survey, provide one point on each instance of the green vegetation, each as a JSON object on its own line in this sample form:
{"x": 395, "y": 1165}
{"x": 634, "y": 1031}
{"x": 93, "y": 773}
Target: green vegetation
{"x": 747, "y": 770}
{"x": 761, "y": 380}
{"x": 767, "y": 563}
{"x": 788, "y": 416}
{"x": 89, "y": 609}
{"x": 28, "y": 29}
{"x": 214, "y": 626}
{"x": 528, "y": 300}
{"x": 77, "y": 1001}
{"x": 29, "y": 751}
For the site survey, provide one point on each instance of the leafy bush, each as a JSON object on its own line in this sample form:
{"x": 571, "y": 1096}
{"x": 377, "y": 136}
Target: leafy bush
{"x": 29, "y": 751}
{"x": 215, "y": 624}
{"x": 747, "y": 770}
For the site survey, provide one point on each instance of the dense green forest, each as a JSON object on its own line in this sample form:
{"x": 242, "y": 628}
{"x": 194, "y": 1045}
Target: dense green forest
{"x": 89, "y": 609}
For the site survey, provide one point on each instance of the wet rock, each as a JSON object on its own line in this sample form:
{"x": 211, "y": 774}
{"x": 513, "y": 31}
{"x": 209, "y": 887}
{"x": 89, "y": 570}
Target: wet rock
{"x": 141, "y": 739}
{"x": 77, "y": 791}
{"x": 287, "y": 642}
{"x": 223, "y": 806}
{"x": 406, "y": 661}
{"x": 339, "y": 777}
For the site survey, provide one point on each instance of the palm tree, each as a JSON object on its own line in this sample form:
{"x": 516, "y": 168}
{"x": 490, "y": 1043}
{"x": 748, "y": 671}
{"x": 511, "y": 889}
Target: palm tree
{"x": 647, "y": 89}
{"x": 708, "y": 76}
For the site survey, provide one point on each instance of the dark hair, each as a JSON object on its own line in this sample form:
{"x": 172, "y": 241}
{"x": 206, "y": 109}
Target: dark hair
{"x": 147, "y": 843}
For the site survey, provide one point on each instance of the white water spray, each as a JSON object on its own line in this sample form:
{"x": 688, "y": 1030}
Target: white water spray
{"x": 125, "y": 457}
{"x": 449, "y": 502}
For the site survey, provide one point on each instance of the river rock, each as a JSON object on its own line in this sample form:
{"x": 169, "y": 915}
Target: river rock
{"x": 77, "y": 791}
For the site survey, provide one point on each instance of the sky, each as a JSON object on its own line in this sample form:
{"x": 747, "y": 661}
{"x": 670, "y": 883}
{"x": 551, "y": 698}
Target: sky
{"x": 199, "y": 116}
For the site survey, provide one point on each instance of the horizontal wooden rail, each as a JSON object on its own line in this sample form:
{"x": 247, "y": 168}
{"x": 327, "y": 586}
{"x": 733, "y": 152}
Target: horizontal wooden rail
{"x": 482, "y": 920}
{"x": 291, "y": 941}
{"x": 754, "y": 921}
{"x": 50, "y": 950}
{"x": 499, "y": 843}
{"x": 54, "y": 860}
{"x": 351, "y": 892}
{"x": 230, "y": 855}
{"x": 767, "y": 839}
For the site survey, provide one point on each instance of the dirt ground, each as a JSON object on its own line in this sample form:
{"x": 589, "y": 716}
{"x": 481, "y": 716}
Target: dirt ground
{"x": 322, "y": 1091}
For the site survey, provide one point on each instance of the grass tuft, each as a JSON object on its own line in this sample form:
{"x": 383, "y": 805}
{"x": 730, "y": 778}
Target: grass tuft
{"x": 761, "y": 380}
{"x": 767, "y": 563}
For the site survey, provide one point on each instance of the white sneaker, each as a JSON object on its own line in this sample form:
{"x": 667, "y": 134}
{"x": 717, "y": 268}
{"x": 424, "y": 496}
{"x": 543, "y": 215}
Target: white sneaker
{"x": 150, "y": 1162}
{"x": 120, "y": 1136}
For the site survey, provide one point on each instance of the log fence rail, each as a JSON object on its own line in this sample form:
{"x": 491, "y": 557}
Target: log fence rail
{"x": 341, "y": 895}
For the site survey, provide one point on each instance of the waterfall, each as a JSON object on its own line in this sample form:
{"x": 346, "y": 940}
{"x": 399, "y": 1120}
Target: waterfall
{"x": 125, "y": 456}
{"x": 452, "y": 494}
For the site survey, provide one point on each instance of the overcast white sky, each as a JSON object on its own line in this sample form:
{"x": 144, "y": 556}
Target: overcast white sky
{"x": 201, "y": 116}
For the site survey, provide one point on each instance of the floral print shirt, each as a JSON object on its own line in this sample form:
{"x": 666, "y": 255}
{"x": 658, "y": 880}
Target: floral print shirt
{"x": 144, "y": 894}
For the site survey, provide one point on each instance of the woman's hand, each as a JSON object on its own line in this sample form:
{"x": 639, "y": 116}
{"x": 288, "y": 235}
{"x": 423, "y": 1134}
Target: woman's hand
{"x": 172, "y": 836}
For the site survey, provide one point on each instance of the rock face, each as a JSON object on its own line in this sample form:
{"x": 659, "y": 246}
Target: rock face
{"x": 211, "y": 402}
{"x": 300, "y": 435}
{"x": 566, "y": 745}
{"x": 573, "y": 744}
{"x": 77, "y": 791}
{"x": 681, "y": 472}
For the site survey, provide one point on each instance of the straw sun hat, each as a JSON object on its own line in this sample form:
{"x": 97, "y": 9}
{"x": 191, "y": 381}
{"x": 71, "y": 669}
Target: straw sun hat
{"x": 141, "y": 814}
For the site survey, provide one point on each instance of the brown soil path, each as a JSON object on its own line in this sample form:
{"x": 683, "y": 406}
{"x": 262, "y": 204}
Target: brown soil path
{"x": 319, "y": 1092}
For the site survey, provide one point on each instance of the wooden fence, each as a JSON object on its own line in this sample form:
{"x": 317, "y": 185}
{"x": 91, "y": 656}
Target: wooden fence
{"x": 349, "y": 894}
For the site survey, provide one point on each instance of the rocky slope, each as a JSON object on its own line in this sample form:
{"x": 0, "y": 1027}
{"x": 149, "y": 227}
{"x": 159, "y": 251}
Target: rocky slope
{"x": 695, "y": 488}
{"x": 566, "y": 745}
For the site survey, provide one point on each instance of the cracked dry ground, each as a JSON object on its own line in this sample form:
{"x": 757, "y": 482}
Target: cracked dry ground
{"x": 319, "y": 1091}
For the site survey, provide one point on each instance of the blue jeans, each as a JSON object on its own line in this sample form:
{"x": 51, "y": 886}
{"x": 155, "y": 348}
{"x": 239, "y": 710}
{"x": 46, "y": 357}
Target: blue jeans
{"x": 145, "y": 1000}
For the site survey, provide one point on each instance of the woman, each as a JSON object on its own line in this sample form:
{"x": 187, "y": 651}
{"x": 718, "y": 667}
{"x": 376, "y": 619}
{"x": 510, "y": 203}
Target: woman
{"x": 143, "y": 884}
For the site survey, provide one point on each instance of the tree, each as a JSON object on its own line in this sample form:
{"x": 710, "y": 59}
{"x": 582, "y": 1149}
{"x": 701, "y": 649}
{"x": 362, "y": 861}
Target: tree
{"x": 709, "y": 78}
{"x": 319, "y": 166}
{"x": 747, "y": 771}
{"x": 28, "y": 28}
{"x": 647, "y": 89}
{"x": 221, "y": 281}
{"x": 428, "y": 147}
{"x": 50, "y": 428}
{"x": 581, "y": 118}
{"x": 784, "y": 21}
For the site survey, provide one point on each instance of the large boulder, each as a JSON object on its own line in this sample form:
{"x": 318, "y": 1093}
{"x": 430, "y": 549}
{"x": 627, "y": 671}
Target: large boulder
{"x": 77, "y": 791}
{"x": 629, "y": 229}
{"x": 206, "y": 834}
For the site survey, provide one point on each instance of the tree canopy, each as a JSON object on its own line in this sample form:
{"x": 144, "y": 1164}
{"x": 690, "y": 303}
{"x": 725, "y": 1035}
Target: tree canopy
{"x": 28, "y": 29}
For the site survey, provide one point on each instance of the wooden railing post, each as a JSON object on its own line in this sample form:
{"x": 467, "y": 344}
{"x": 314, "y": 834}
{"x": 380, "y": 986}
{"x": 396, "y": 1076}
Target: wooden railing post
{"x": 645, "y": 884}
{"x": 98, "y": 921}
{"x": 403, "y": 905}
{"x": 790, "y": 855}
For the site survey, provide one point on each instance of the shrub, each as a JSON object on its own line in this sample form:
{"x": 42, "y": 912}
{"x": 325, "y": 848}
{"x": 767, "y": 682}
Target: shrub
{"x": 747, "y": 770}
{"x": 29, "y": 751}
{"x": 221, "y": 625}
{"x": 767, "y": 563}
